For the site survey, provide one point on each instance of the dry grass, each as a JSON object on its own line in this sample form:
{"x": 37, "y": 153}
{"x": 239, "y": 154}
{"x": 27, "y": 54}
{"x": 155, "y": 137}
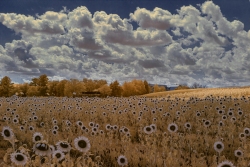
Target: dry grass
{"x": 201, "y": 108}
{"x": 204, "y": 92}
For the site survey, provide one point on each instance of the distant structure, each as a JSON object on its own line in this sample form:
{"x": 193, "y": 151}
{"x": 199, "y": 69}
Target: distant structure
{"x": 168, "y": 88}
{"x": 91, "y": 94}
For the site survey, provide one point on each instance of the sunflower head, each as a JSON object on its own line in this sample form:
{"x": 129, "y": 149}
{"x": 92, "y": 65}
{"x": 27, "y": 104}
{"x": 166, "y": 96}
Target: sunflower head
{"x": 19, "y": 158}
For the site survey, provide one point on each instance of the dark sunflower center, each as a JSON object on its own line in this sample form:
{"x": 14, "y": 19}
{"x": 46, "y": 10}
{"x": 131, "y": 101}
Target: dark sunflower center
{"x": 219, "y": 146}
{"x": 37, "y": 138}
{"x": 148, "y": 129}
{"x": 188, "y": 125}
{"x": 225, "y": 165}
{"x": 122, "y": 160}
{"x": 172, "y": 128}
{"x": 82, "y": 144}
{"x": 246, "y": 131}
{"x": 58, "y": 155}
{"x": 19, "y": 157}
{"x": 6, "y": 133}
{"x": 42, "y": 146}
{"x": 64, "y": 145}
{"x": 238, "y": 153}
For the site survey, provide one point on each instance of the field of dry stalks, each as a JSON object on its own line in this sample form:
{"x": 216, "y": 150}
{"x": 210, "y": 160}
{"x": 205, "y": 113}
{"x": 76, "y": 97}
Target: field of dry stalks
{"x": 207, "y": 127}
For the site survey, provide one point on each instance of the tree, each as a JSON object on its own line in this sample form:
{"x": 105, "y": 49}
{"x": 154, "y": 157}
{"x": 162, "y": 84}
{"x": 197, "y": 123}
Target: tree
{"x": 116, "y": 89}
{"x": 182, "y": 86}
{"x": 60, "y": 88}
{"x": 158, "y": 88}
{"x": 34, "y": 82}
{"x": 33, "y": 91}
{"x": 128, "y": 89}
{"x": 74, "y": 86}
{"x": 43, "y": 85}
{"x": 6, "y": 87}
{"x": 23, "y": 89}
{"x": 91, "y": 85}
{"x": 139, "y": 87}
{"x": 105, "y": 90}
{"x": 52, "y": 88}
{"x": 197, "y": 85}
{"x": 147, "y": 87}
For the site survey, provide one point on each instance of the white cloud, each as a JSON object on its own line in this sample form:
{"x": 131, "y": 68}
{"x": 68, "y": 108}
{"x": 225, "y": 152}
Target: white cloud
{"x": 194, "y": 44}
{"x": 158, "y": 18}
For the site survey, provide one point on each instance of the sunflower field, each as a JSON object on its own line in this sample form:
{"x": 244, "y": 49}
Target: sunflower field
{"x": 213, "y": 131}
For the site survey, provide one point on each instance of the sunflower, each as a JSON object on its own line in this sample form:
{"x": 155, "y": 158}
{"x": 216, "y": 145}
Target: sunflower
{"x": 58, "y": 154}
{"x": 148, "y": 129}
{"x": 7, "y": 133}
{"x": 18, "y": 158}
{"x": 122, "y": 160}
{"x": 31, "y": 128}
{"x": 154, "y": 127}
{"x": 221, "y": 123}
{"x": 37, "y": 136}
{"x": 226, "y": 164}
{"x": 82, "y": 144}
{"x": 247, "y": 131}
{"x": 238, "y": 153}
{"x": 207, "y": 123}
{"x": 91, "y": 124}
{"x": 188, "y": 125}
{"x": 63, "y": 145}
{"x": 218, "y": 146}
{"x": 79, "y": 123}
{"x": 42, "y": 124}
{"x": 172, "y": 127}
{"x": 242, "y": 135}
{"x": 15, "y": 120}
{"x": 54, "y": 132}
{"x": 41, "y": 148}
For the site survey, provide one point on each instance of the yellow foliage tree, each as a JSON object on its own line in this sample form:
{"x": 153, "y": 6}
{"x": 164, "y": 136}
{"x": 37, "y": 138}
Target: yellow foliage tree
{"x": 105, "y": 90}
{"x": 158, "y": 88}
{"x": 74, "y": 87}
{"x": 33, "y": 91}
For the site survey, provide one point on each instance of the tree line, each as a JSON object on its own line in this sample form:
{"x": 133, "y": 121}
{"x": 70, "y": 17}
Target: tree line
{"x": 42, "y": 86}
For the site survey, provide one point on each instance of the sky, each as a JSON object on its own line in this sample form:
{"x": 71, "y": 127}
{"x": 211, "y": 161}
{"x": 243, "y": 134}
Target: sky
{"x": 162, "y": 41}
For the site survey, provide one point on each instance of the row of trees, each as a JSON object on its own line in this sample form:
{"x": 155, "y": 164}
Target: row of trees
{"x": 42, "y": 86}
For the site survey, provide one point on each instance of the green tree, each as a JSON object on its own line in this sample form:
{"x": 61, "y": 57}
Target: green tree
{"x": 116, "y": 89}
{"x": 6, "y": 87}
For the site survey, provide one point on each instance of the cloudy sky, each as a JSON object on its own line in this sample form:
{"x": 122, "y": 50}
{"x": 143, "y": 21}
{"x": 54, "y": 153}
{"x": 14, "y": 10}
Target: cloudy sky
{"x": 164, "y": 42}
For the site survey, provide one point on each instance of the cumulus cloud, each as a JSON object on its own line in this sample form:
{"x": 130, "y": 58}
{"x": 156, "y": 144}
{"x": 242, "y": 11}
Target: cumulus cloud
{"x": 193, "y": 44}
{"x": 158, "y": 18}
